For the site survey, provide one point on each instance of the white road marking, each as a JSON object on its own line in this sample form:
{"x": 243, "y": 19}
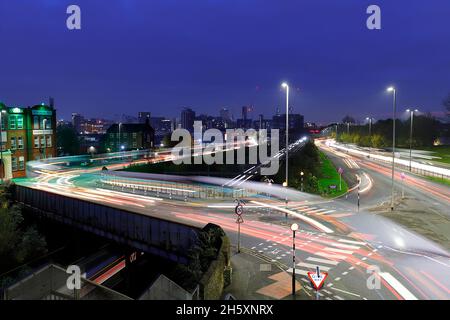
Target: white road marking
{"x": 343, "y": 291}
{"x": 325, "y": 212}
{"x": 339, "y": 250}
{"x": 297, "y": 271}
{"x": 330, "y": 255}
{"x": 334, "y": 263}
{"x": 344, "y": 246}
{"x": 352, "y": 242}
{"x": 312, "y": 266}
{"x": 405, "y": 293}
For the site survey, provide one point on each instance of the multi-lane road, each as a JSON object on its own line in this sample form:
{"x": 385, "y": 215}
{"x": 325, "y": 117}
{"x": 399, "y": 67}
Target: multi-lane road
{"x": 366, "y": 256}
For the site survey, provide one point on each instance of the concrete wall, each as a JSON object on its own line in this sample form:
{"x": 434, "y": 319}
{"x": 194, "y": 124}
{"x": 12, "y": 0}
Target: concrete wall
{"x": 164, "y": 238}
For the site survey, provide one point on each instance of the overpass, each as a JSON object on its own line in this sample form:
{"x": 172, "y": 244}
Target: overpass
{"x": 168, "y": 239}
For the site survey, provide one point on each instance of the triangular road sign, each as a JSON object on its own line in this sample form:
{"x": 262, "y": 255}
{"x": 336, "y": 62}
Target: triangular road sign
{"x": 317, "y": 280}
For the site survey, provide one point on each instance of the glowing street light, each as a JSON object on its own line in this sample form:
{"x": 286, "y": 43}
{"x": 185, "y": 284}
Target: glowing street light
{"x": 301, "y": 175}
{"x": 394, "y": 107}
{"x": 370, "y": 119}
{"x": 411, "y": 136}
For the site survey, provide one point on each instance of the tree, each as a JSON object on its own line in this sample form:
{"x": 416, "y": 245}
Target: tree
{"x": 67, "y": 140}
{"x": 446, "y": 104}
{"x": 18, "y": 243}
{"x": 348, "y": 119}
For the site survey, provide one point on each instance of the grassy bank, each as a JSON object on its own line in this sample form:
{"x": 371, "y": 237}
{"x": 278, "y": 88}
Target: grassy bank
{"x": 329, "y": 177}
{"x": 439, "y": 180}
{"x": 443, "y": 152}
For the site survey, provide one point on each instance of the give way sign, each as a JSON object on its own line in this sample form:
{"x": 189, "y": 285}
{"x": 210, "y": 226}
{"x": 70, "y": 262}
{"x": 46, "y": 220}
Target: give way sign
{"x": 317, "y": 278}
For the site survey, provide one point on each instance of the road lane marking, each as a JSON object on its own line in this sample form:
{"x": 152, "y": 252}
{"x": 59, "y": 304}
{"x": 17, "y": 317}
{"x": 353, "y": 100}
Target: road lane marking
{"x": 343, "y": 291}
{"x": 339, "y": 250}
{"x": 298, "y": 271}
{"x": 312, "y": 266}
{"x": 331, "y": 255}
{"x": 352, "y": 242}
{"x": 394, "y": 283}
{"x": 344, "y": 246}
{"x": 334, "y": 263}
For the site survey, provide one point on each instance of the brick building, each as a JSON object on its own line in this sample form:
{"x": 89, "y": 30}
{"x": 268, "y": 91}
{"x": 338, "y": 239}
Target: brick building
{"x": 26, "y": 134}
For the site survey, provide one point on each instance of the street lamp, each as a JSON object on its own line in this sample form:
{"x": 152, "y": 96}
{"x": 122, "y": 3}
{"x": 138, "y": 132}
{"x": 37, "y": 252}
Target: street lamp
{"x": 286, "y": 86}
{"x": 302, "y": 174}
{"x": 394, "y": 107}
{"x": 411, "y": 136}
{"x": 91, "y": 151}
{"x": 370, "y": 133}
{"x": 294, "y": 227}
{"x": 1, "y": 145}
{"x": 120, "y": 125}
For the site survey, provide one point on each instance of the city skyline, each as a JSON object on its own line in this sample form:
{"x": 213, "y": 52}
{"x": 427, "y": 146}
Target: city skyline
{"x": 137, "y": 63}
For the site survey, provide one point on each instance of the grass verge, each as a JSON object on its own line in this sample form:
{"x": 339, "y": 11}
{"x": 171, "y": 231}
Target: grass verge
{"x": 329, "y": 177}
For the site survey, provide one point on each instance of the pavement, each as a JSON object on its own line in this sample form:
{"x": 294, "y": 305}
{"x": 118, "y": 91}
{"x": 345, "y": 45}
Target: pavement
{"x": 256, "y": 277}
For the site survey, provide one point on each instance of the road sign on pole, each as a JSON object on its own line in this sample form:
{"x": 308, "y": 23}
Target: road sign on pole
{"x": 239, "y": 210}
{"x": 341, "y": 171}
{"x": 317, "y": 278}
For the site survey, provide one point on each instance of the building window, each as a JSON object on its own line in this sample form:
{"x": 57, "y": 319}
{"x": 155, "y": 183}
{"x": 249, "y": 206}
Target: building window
{"x": 134, "y": 135}
{"x": 49, "y": 141}
{"x": 20, "y": 143}
{"x": 36, "y": 141}
{"x": 45, "y": 123}
{"x": 36, "y": 122}
{"x": 13, "y": 143}
{"x": 12, "y": 122}
{"x": 19, "y": 122}
{"x": 21, "y": 163}
{"x": 14, "y": 164}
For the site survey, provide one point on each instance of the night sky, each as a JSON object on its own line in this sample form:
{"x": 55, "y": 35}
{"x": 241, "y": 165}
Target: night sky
{"x": 161, "y": 55}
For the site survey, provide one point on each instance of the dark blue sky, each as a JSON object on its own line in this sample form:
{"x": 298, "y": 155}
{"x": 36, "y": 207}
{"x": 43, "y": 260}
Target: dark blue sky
{"x": 161, "y": 55}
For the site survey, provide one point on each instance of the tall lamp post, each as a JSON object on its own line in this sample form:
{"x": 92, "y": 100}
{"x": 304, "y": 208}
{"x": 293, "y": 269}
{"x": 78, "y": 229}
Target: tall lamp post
{"x": 370, "y": 133}
{"x": 411, "y": 136}
{"x": 286, "y": 86}
{"x": 1, "y": 145}
{"x": 394, "y": 108}
{"x": 44, "y": 123}
{"x": 118, "y": 145}
{"x": 294, "y": 227}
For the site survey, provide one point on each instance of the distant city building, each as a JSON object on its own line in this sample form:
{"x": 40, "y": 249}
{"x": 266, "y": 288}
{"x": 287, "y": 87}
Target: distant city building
{"x": 245, "y": 122}
{"x": 225, "y": 114}
{"x": 162, "y": 127}
{"x": 129, "y": 136}
{"x": 26, "y": 134}
{"x": 77, "y": 119}
{"x": 94, "y": 126}
{"x": 187, "y": 119}
{"x": 143, "y": 116}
